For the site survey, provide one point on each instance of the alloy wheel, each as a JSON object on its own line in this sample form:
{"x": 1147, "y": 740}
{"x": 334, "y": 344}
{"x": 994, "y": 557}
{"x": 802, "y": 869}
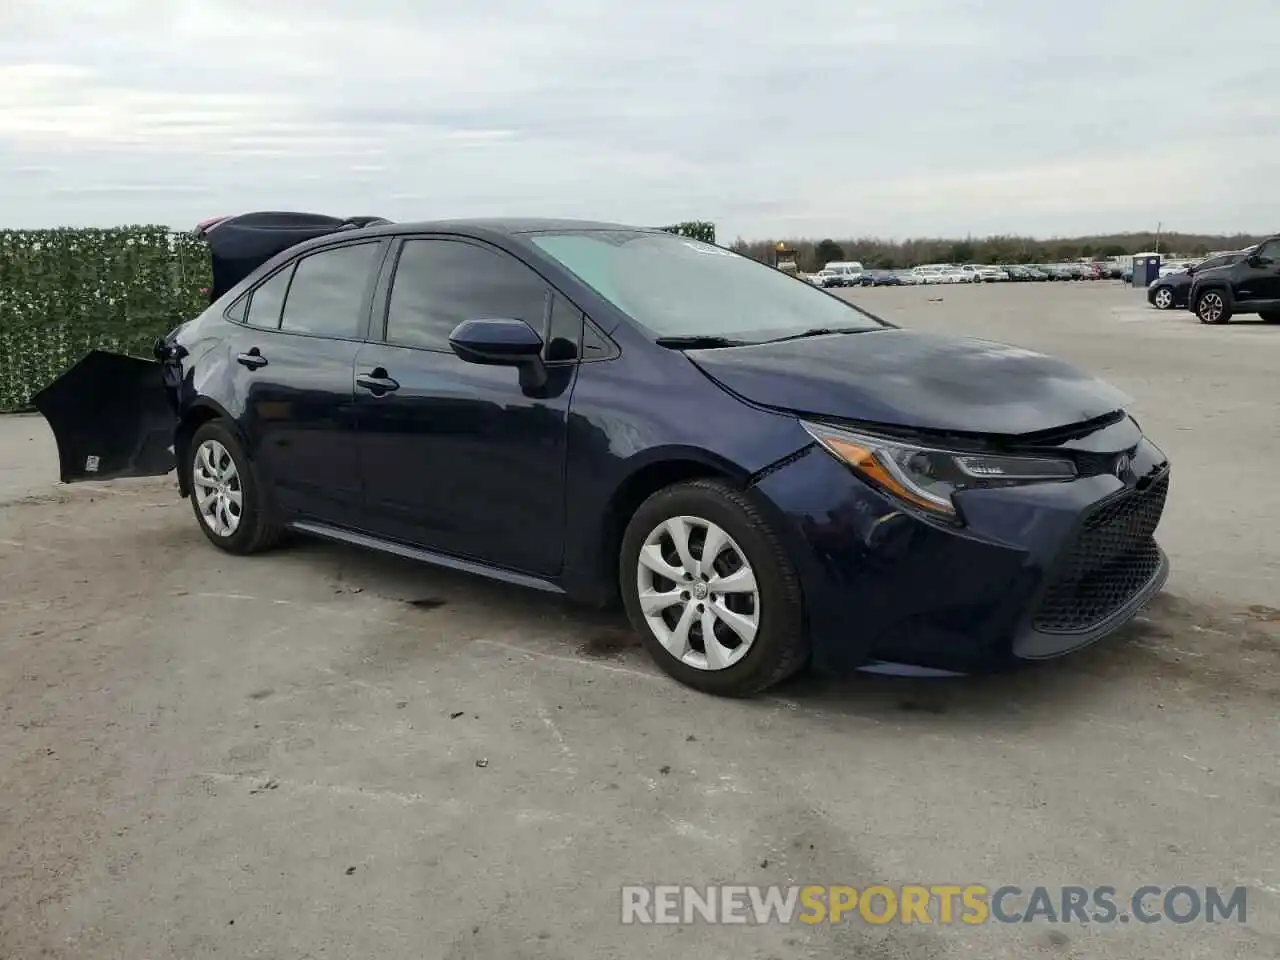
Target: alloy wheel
{"x": 698, "y": 593}
{"x": 219, "y": 495}
{"x": 1211, "y": 307}
{"x": 1164, "y": 298}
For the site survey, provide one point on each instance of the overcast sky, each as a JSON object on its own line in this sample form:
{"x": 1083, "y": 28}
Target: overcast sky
{"x": 827, "y": 117}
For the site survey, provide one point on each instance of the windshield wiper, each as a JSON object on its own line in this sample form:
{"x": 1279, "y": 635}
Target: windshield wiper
{"x": 699, "y": 342}
{"x": 821, "y": 332}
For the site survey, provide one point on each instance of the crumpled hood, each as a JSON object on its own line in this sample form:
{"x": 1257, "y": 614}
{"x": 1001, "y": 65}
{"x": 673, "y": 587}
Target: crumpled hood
{"x": 908, "y": 379}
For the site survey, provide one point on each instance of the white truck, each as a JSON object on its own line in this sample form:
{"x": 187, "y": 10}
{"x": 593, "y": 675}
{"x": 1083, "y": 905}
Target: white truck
{"x": 846, "y": 273}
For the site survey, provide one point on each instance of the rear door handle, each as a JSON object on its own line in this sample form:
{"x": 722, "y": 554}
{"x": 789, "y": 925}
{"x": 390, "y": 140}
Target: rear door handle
{"x": 253, "y": 359}
{"x": 377, "y": 382}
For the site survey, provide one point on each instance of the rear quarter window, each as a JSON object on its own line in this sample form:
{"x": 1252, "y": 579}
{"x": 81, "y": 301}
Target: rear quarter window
{"x": 267, "y": 299}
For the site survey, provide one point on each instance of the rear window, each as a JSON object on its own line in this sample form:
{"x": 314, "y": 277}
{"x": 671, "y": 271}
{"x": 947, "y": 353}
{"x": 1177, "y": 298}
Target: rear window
{"x": 328, "y": 291}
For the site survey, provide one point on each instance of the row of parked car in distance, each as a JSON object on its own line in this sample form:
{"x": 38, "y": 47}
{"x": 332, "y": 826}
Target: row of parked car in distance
{"x": 852, "y": 274}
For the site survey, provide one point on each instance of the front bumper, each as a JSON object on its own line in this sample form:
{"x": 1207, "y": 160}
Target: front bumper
{"x": 1037, "y": 571}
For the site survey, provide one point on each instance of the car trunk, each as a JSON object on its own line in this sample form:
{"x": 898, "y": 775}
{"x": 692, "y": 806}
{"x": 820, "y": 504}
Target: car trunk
{"x": 114, "y": 415}
{"x": 239, "y": 245}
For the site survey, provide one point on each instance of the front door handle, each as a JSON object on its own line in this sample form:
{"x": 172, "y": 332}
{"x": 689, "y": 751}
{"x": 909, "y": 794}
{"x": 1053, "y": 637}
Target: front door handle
{"x": 253, "y": 359}
{"x": 377, "y": 382}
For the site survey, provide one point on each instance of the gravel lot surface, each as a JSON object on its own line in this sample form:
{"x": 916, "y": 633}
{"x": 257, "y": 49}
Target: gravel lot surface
{"x": 322, "y": 753}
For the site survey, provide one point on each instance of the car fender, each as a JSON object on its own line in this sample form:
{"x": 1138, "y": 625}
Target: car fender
{"x": 591, "y": 572}
{"x": 197, "y": 411}
{"x": 1214, "y": 283}
{"x": 620, "y": 452}
{"x": 214, "y": 380}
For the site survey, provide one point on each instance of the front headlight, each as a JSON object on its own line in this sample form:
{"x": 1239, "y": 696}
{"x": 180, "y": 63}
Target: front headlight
{"x": 926, "y": 477}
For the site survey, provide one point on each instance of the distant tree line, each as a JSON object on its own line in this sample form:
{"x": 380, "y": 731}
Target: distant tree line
{"x": 894, "y": 255}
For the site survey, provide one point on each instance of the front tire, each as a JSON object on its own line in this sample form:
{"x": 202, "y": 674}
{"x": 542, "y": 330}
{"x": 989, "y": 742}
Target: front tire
{"x": 1163, "y": 299}
{"x": 1212, "y": 307}
{"x": 711, "y": 591}
{"x": 230, "y": 504}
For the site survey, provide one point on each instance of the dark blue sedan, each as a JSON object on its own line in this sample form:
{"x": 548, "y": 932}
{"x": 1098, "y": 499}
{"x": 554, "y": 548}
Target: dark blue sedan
{"x": 766, "y": 475}
{"x": 881, "y": 278}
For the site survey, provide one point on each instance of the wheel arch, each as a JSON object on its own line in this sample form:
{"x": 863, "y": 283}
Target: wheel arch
{"x": 1221, "y": 286}
{"x": 200, "y": 411}
{"x": 641, "y": 482}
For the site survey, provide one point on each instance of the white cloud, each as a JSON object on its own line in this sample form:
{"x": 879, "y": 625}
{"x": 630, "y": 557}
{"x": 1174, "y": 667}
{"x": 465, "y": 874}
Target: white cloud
{"x": 910, "y": 117}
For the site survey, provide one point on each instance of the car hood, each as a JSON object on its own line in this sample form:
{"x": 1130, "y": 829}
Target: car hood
{"x": 906, "y": 379}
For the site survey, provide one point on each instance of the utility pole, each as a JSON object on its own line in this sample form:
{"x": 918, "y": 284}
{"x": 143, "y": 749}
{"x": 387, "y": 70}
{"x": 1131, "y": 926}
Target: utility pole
{"x": 1158, "y": 226}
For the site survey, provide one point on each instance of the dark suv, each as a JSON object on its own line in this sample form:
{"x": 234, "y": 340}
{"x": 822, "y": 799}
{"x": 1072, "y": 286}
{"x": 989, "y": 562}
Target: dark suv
{"x": 1251, "y": 285}
{"x": 1171, "y": 290}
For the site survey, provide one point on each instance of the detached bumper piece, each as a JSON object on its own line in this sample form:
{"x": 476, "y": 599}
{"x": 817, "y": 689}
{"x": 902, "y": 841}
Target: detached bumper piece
{"x": 111, "y": 417}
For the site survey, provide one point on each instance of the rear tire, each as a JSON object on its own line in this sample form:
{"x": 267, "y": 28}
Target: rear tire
{"x": 1270, "y": 316}
{"x": 1162, "y": 299}
{"x": 755, "y": 623}
{"x": 230, "y": 504}
{"x": 1212, "y": 307}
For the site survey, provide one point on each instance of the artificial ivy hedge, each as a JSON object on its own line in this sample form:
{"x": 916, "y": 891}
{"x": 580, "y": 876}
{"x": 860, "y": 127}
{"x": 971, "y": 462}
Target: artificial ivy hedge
{"x": 66, "y": 292}
{"x": 695, "y": 229}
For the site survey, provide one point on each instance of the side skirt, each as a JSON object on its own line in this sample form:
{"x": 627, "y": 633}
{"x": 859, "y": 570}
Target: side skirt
{"x": 368, "y": 542}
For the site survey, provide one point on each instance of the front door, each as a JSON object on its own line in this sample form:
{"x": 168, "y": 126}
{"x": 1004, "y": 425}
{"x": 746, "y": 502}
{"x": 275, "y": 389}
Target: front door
{"x": 294, "y": 360}
{"x": 457, "y": 457}
{"x": 1263, "y": 281}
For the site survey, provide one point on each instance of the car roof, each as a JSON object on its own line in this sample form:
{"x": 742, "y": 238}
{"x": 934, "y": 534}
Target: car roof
{"x": 509, "y": 226}
{"x": 493, "y": 229}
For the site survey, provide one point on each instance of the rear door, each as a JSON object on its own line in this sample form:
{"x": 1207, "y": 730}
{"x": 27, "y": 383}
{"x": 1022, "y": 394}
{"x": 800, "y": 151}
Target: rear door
{"x": 296, "y": 355}
{"x": 457, "y": 457}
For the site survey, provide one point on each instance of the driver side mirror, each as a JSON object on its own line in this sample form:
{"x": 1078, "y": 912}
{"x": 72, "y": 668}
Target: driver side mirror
{"x": 1255, "y": 260}
{"x": 502, "y": 343}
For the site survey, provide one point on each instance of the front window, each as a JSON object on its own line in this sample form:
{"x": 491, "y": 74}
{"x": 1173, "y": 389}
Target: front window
{"x": 440, "y": 283}
{"x": 677, "y": 287}
{"x": 1269, "y": 252}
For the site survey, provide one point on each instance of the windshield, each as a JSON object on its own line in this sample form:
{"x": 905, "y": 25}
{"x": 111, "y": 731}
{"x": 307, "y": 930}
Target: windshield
{"x": 676, "y": 287}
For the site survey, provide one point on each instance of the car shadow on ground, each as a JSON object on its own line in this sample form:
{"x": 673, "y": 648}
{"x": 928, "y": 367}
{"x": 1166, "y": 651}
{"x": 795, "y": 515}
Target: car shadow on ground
{"x": 1175, "y": 645}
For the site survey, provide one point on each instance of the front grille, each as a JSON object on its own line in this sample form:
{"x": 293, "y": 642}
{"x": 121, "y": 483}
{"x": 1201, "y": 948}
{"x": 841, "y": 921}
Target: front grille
{"x": 1113, "y": 558}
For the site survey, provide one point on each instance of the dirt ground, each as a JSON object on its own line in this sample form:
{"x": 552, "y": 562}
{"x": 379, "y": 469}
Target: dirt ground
{"x": 323, "y": 753}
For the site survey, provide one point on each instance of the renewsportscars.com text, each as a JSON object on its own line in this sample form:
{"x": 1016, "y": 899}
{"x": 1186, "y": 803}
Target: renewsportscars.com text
{"x": 929, "y": 904}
